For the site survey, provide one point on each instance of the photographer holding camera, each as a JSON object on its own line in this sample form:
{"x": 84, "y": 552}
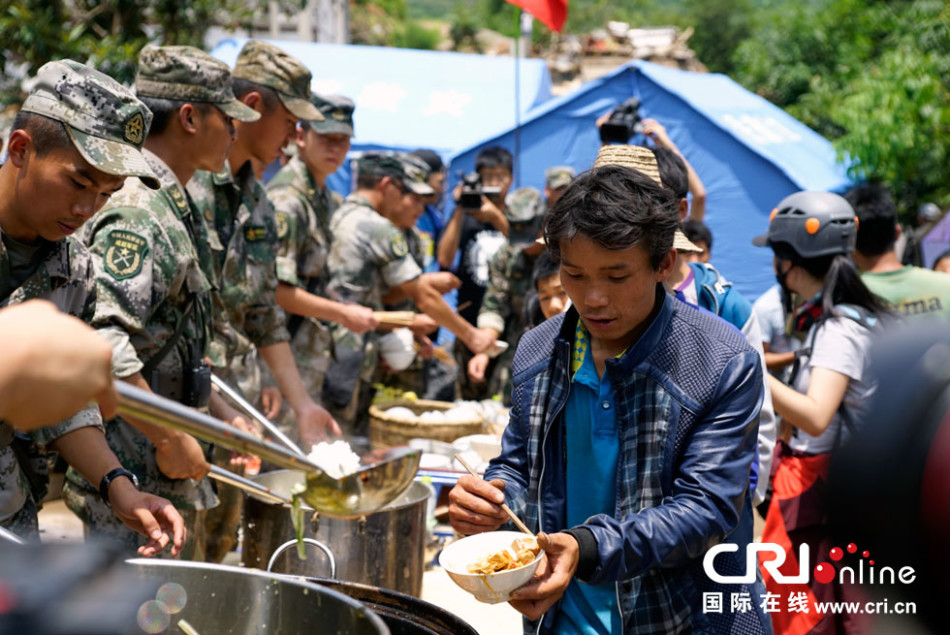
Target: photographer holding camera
{"x": 477, "y": 229}
{"x": 624, "y": 122}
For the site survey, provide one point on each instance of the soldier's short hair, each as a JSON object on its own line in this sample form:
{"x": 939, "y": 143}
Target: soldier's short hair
{"x": 164, "y": 109}
{"x": 242, "y": 87}
{"x": 48, "y": 134}
{"x": 368, "y": 181}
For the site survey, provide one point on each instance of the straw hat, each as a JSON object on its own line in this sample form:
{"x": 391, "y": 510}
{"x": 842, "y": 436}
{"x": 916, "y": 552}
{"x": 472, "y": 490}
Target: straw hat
{"x": 642, "y": 160}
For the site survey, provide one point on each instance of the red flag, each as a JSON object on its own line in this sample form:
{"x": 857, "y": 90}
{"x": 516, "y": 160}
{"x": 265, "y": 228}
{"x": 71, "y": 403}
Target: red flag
{"x": 552, "y": 13}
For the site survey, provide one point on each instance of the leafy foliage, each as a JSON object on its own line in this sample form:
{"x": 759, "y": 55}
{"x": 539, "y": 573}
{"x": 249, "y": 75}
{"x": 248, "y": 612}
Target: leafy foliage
{"x": 107, "y": 33}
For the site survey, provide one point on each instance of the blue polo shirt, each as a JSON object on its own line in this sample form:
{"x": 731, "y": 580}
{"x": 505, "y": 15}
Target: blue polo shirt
{"x": 593, "y": 447}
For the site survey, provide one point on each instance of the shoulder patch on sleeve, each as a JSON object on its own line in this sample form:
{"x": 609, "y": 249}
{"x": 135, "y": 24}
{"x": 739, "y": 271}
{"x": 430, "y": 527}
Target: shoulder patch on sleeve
{"x": 282, "y": 221}
{"x": 125, "y": 252}
{"x": 399, "y": 245}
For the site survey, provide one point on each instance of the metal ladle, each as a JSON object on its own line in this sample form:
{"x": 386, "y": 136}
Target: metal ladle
{"x": 385, "y": 475}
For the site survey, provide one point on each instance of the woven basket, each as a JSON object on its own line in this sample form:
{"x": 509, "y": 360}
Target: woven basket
{"x": 386, "y": 431}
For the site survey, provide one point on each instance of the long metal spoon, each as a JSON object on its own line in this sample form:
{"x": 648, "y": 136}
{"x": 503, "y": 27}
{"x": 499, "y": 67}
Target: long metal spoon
{"x": 147, "y": 406}
{"x": 254, "y": 489}
{"x": 254, "y": 413}
{"x": 382, "y": 477}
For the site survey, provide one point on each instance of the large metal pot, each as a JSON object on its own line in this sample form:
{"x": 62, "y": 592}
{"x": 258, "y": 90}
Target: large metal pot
{"x": 220, "y": 599}
{"x": 403, "y": 614}
{"x": 383, "y": 549}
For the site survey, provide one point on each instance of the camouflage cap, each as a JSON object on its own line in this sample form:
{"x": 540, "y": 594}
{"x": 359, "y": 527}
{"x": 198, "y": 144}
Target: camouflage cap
{"x": 411, "y": 171}
{"x": 185, "y": 73}
{"x": 105, "y": 121}
{"x": 267, "y": 65}
{"x": 337, "y": 112}
{"x": 524, "y": 205}
{"x": 559, "y": 176}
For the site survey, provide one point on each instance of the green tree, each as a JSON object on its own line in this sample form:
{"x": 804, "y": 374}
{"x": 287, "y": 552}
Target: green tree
{"x": 871, "y": 76}
{"x": 107, "y": 34}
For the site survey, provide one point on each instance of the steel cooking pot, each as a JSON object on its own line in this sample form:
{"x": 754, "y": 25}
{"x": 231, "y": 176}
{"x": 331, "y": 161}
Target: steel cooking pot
{"x": 228, "y": 600}
{"x": 403, "y": 614}
{"x": 383, "y": 549}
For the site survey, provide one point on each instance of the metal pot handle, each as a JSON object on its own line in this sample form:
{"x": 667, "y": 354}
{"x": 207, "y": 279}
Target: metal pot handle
{"x": 310, "y": 541}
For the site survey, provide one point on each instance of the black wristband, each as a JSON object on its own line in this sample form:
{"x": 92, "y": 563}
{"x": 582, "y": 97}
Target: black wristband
{"x": 587, "y": 557}
{"x": 111, "y": 476}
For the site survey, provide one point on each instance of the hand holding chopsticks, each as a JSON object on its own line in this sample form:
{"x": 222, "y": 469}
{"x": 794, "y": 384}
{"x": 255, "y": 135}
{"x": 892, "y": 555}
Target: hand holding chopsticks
{"x": 504, "y": 506}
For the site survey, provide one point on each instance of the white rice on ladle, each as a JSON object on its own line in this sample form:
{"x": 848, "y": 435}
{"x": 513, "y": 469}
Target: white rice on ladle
{"x": 337, "y": 459}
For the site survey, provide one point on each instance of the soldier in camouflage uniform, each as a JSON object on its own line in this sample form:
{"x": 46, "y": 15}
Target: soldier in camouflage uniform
{"x": 243, "y": 234}
{"x": 510, "y": 270}
{"x": 369, "y": 258}
{"x": 303, "y": 206}
{"x": 76, "y": 138}
{"x": 151, "y": 284}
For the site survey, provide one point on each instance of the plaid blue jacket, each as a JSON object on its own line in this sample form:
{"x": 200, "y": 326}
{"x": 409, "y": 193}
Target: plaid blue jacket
{"x": 688, "y": 394}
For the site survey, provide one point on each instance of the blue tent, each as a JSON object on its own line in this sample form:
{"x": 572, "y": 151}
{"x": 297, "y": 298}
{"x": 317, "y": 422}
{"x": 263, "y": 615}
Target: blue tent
{"x": 748, "y": 152}
{"x": 408, "y": 99}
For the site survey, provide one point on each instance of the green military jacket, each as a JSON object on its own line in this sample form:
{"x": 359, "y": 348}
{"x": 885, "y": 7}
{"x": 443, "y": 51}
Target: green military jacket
{"x": 240, "y": 222}
{"x": 509, "y": 280}
{"x": 369, "y": 256}
{"x": 66, "y": 277}
{"x": 148, "y": 271}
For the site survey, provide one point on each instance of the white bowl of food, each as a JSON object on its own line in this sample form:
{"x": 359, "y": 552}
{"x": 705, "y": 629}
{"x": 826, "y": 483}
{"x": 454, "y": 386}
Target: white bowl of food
{"x": 397, "y": 349}
{"x": 473, "y": 563}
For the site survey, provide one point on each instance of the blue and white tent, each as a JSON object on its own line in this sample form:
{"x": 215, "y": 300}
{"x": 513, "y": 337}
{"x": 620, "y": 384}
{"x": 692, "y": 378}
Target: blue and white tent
{"x": 408, "y": 99}
{"x": 748, "y": 152}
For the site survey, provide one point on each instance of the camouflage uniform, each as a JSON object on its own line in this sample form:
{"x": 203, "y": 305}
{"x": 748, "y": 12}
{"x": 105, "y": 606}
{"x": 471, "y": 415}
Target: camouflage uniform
{"x": 302, "y": 214}
{"x": 302, "y": 210}
{"x": 509, "y": 280}
{"x": 369, "y": 256}
{"x": 142, "y": 298}
{"x": 413, "y": 378}
{"x": 65, "y": 276}
{"x": 240, "y": 220}
{"x": 243, "y": 239}
{"x": 107, "y": 125}
{"x": 150, "y": 280}
{"x": 243, "y": 248}
{"x": 524, "y": 209}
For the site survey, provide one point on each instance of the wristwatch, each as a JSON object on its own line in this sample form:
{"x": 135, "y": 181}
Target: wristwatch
{"x": 111, "y": 476}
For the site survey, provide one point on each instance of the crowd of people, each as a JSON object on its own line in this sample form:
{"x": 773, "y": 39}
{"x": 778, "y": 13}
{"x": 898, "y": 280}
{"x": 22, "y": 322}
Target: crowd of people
{"x": 653, "y": 408}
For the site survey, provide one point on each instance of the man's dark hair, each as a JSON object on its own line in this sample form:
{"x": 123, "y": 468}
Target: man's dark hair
{"x": 242, "y": 87}
{"x": 672, "y": 171}
{"x": 367, "y": 181}
{"x": 494, "y": 157}
{"x": 877, "y": 218}
{"x": 48, "y": 134}
{"x": 617, "y": 208}
{"x": 164, "y": 110}
{"x": 544, "y": 267}
{"x": 697, "y": 231}
{"x": 945, "y": 254}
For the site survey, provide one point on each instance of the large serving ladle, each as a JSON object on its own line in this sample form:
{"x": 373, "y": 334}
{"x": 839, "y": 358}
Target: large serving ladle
{"x": 383, "y": 476}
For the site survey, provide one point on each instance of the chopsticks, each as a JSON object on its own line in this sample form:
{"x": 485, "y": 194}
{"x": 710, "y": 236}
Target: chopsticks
{"x": 394, "y": 318}
{"x": 504, "y": 506}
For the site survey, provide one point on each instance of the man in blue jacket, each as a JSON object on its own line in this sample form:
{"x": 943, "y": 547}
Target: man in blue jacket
{"x": 632, "y": 430}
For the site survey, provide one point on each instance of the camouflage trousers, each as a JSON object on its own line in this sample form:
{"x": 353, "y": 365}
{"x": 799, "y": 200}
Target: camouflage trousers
{"x": 310, "y": 344}
{"x": 100, "y": 524}
{"x": 221, "y": 523}
{"x": 24, "y": 523}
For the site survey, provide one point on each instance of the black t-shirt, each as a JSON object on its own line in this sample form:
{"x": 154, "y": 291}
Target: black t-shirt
{"x": 477, "y": 244}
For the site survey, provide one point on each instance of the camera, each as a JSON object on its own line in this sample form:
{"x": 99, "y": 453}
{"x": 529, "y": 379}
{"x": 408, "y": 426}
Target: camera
{"x": 473, "y": 191}
{"x": 623, "y": 122}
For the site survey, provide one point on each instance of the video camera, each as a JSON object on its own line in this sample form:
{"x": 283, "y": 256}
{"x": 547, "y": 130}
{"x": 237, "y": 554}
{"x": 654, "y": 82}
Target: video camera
{"x": 473, "y": 191}
{"x": 623, "y": 123}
